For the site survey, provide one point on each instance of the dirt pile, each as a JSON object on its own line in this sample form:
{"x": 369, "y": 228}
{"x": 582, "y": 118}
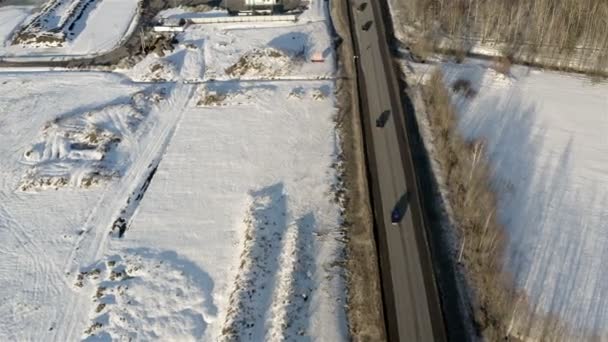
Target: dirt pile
{"x": 267, "y": 62}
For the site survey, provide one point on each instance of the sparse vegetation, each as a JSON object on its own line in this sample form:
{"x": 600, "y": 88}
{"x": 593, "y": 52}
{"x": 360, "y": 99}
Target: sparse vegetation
{"x": 466, "y": 175}
{"x": 100, "y": 292}
{"x": 422, "y": 48}
{"x": 297, "y": 92}
{"x": 100, "y": 307}
{"x": 95, "y": 326}
{"x": 89, "y": 137}
{"x": 320, "y": 93}
{"x": 502, "y": 65}
{"x": 211, "y": 98}
{"x": 269, "y": 61}
{"x": 93, "y": 136}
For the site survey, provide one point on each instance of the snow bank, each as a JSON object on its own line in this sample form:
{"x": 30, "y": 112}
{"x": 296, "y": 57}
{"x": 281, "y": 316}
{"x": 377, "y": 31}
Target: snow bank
{"x": 545, "y": 135}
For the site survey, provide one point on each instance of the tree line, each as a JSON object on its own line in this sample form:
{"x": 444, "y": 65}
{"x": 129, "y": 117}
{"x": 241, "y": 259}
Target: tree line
{"x": 561, "y": 25}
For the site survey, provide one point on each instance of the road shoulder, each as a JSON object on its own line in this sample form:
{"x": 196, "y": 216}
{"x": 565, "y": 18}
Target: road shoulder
{"x": 365, "y": 311}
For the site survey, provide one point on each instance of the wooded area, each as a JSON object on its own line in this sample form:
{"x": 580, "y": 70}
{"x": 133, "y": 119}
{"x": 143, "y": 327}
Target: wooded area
{"x": 560, "y": 25}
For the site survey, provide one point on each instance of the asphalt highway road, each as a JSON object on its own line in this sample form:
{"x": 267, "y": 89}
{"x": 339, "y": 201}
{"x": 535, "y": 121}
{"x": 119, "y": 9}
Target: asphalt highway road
{"x": 411, "y": 300}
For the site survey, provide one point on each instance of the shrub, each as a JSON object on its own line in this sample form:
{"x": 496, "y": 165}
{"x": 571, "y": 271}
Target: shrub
{"x": 466, "y": 174}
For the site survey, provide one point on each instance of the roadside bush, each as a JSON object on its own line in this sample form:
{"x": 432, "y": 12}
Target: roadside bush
{"x": 502, "y": 65}
{"x": 421, "y": 49}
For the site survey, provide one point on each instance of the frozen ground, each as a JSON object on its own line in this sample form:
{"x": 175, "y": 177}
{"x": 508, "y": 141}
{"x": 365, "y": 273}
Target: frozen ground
{"x": 545, "y": 135}
{"x": 170, "y": 210}
{"x": 71, "y": 28}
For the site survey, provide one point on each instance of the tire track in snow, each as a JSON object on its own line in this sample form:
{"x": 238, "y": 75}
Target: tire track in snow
{"x": 46, "y": 275}
{"x": 91, "y": 244}
{"x": 28, "y": 243}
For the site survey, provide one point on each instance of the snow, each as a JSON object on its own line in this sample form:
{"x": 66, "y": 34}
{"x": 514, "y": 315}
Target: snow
{"x": 85, "y": 149}
{"x": 102, "y": 26}
{"x": 153, "y": 68}
{"x": 274, "y": 52}
{"x": 217, "y": 204}
{"x": 545, "y": 136}
{"x": 109, "y": 23}
{"x": 283, "y": 178}
{"x": 10, "y": 18}
{"x": 38, "y": 230}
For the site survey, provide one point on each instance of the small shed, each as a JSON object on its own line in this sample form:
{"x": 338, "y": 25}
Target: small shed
{"x": 317, "y": 57}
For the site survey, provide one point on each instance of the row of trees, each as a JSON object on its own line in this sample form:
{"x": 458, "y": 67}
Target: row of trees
{"x": 565, "y": 25}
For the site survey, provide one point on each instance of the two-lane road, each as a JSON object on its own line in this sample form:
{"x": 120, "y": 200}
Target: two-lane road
{"x": 411, "y": 299}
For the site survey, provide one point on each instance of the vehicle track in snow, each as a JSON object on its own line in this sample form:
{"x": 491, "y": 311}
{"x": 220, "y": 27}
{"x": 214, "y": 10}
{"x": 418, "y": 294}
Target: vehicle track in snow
{"x": 39, "y": 276}
{"x": 92, "y": 242}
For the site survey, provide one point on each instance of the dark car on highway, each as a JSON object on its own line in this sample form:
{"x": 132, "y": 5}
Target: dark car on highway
{"x": 400, "y": 209}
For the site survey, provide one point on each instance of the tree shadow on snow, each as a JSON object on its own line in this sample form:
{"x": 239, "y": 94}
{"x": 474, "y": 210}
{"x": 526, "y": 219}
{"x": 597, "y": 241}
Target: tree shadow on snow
{"x": 276, "y": 280}
{"x": 302, "y": 281}
{"x": 255, "y": 282}
{"x": 552, "y": 236}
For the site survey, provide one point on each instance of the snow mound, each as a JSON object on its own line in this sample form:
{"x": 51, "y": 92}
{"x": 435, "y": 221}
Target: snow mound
{"x": 81, "y": 149}
{"x": 147, "y": 295}
{"x": 154, "y": 69}
{"x": 267, "y": 62}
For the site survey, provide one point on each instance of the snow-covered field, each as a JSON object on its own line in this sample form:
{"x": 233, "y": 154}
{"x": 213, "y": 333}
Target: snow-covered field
{"x": 171, "y": 210}
{"x": 218, "y": 52}
{"x": 545, "y": 136}
{"x": 65, "y": 28}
